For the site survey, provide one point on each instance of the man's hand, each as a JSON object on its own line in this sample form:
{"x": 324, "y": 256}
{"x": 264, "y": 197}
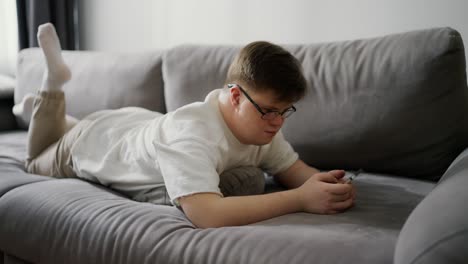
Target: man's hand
{"x": 325, "y": 193}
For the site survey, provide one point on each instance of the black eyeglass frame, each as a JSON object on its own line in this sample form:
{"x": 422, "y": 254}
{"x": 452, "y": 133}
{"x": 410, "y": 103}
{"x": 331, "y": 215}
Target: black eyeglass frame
{"x": 269, "y": 115}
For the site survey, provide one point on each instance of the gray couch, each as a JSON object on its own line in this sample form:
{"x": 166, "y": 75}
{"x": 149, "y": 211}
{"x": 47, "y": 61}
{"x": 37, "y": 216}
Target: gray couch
{"x": 395, "y": 106}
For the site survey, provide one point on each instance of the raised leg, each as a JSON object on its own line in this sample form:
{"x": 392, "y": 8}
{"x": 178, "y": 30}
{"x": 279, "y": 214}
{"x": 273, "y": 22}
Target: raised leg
{"x": 48, "y": 122}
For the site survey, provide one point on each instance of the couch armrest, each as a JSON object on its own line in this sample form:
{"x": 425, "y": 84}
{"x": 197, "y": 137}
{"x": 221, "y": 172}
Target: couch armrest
{"x": 437, "y": 229}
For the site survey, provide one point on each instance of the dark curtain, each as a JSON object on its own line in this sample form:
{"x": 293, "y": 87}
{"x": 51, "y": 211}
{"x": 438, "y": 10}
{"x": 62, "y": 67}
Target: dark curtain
{"x": 62, "y": 13}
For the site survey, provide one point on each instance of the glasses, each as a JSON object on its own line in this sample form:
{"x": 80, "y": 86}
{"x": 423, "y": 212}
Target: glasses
{"x": 267, "y": 115}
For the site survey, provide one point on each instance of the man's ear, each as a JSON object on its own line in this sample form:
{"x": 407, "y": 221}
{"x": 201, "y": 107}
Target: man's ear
{"x": 234, "y": 96}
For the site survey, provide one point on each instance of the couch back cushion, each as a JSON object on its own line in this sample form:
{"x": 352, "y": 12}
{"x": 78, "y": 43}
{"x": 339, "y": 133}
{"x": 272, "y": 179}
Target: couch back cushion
{"x": 192, "y": 71}
{"x": 395, "y": 104}
{"x": 100, "y": 80}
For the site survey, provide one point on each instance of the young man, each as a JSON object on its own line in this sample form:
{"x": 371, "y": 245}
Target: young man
{"x": 180, "y": 156}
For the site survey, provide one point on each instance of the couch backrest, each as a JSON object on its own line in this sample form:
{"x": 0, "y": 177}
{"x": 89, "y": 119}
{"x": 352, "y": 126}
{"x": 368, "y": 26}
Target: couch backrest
{"x": 101, "y": 80}
{"x": 191, "y": 71}
{"x": 394, "y": 104}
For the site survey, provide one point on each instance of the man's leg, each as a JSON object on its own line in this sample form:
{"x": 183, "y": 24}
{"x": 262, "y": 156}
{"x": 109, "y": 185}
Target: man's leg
{"x": 48, "y": 123}
{"x": 24, "y": 110}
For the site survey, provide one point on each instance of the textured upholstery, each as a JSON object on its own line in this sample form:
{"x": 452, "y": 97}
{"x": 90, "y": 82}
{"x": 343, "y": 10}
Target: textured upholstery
{"x": 192, "y": 71}
{"x": 396, "y": 104}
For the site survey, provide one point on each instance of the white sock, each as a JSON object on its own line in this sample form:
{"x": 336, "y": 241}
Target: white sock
{"x": 57, "y": 72}
{"x": 24, "y": 109}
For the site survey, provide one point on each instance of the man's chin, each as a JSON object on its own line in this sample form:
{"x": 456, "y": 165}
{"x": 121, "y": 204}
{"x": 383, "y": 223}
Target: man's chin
{"x": 259, "y": 141}
{"x": 263, "y": 142}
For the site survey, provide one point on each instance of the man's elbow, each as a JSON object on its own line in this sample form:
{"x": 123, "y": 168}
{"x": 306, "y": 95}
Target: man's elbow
{"x": 200, "y": 209}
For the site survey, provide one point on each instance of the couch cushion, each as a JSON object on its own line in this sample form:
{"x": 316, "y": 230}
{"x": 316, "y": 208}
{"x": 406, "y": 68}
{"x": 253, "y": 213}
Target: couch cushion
{"x": 12, "y": 155}
{"x": 192, "y": 71}
{"x": 100, "y": 80}
{"x": 72, "y": 221}
{"x": 395, "y": 104}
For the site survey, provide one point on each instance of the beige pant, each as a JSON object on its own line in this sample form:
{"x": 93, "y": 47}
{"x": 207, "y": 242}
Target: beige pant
{"x": 51, "y": 136}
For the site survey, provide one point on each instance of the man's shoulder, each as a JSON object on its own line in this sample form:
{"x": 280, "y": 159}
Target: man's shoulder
{"x": 195, "y": 120}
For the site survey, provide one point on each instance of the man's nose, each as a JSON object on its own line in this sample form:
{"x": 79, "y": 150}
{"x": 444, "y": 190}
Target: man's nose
{"x": 277, "y": 121}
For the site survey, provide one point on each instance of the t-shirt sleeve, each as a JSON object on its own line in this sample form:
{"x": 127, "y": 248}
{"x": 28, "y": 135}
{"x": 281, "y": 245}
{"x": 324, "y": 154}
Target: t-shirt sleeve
{"x": 188, "y": 167}
{"x": 280, "y": 156}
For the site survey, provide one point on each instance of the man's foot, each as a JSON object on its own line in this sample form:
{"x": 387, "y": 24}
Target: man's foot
{"x": 57, "y": 72}
{"x": 24, "y": 109}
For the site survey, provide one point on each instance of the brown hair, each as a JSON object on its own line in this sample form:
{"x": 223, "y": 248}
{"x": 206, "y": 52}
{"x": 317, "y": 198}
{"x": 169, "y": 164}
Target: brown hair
{"x": 263, "y": 66}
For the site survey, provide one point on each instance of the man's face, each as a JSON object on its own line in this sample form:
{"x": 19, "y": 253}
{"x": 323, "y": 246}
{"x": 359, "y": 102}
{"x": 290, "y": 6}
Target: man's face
{"x": 255, "y": 127}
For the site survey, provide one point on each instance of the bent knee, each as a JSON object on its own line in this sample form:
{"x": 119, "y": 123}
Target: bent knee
{"x": 29, "y": 166}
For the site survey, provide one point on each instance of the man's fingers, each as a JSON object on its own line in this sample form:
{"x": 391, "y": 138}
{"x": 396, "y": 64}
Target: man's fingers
{"x": 333, "y": 176}
{"x": 341, "y": 197}
{"x": 338, "y": 174}
{"x": 339, "y": 188}
{"x": 340, "y": 206}
{"x": 327, "y": 177}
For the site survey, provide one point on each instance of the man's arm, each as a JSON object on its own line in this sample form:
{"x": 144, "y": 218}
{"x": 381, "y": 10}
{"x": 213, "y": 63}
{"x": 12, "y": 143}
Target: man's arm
{"x": 319, "y": 194}
{"x": 295, "y": 175}
{"x": 211, "y": 210}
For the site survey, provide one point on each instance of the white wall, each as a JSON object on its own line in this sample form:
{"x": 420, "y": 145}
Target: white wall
{"x": 124, "y": 25}
{"x": 8, "y": 37}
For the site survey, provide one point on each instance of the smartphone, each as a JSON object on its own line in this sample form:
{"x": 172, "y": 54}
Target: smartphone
{"x": 354, "y": 175}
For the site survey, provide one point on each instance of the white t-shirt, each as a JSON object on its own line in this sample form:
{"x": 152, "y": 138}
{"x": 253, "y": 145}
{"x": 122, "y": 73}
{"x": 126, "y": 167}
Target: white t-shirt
{"x": 133, "y": 149}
